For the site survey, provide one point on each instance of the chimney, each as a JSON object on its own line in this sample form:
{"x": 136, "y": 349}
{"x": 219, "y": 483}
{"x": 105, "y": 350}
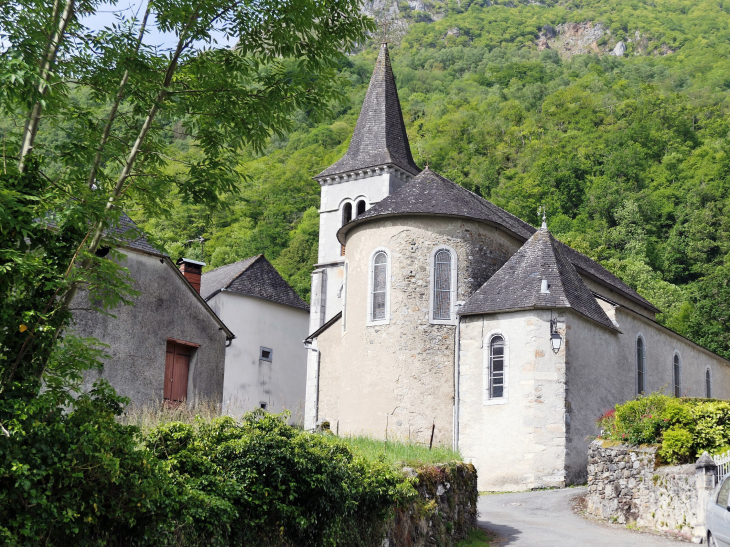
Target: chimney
{"x": 192, "y": 270}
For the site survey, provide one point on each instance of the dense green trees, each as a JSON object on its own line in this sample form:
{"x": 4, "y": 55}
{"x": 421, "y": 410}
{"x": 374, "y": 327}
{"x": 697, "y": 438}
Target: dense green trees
{"x": 630, "y": 154}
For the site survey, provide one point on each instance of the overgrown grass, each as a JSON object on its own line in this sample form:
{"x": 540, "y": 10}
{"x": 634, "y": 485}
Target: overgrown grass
{"x": 149, "y": 416}
{"x": 477, "y": 538}
{"x": 398, "y": 451}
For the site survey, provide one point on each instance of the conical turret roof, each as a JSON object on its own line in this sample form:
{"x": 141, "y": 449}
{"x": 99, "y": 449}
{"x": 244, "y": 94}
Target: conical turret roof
{"x": 519, "y": 283}
{"x": 380, "y": 135}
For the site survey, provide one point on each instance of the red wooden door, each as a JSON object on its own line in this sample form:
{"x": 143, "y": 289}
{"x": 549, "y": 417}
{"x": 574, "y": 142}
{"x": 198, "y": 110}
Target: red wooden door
{"x": 177, "y": 363}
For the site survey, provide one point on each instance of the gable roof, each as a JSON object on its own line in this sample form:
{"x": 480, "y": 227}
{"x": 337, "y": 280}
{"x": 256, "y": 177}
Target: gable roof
{"x": 127, "y": 234}
{"x": 432, "y": 194}
{"x": 254, "y": 276}
{"x": 380, "y": 136}
{"x": 517, "y": 285}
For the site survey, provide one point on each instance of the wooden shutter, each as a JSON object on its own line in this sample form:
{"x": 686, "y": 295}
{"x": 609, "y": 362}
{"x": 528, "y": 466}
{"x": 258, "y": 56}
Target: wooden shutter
{"x": 177, "y": 364}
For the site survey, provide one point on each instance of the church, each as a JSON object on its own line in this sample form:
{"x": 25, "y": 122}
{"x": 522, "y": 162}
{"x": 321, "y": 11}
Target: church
{"x": 437, "y": 315}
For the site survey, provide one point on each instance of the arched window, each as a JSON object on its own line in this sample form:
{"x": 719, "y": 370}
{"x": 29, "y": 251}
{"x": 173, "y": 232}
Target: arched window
{"x": 708, "y": 384}
{"x": 360, "y": 207}
{"x": 442, "y": 285}
{"x": 676, "y": 375}
{"x": 496, "y": 367}
{"x": 379, "y": 296}
{"x": 346, "y": 213}
{"x": 640, "y": 365}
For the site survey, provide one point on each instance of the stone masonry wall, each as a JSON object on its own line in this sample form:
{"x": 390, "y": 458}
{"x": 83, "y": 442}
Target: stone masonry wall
{"x": 625, "y": 486}
{"x": 445, "y": 511}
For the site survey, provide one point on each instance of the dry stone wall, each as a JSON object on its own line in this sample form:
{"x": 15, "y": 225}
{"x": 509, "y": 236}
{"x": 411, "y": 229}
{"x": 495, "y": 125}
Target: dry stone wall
{"x": 625, "y": 486}
{"x": 446, "y": 509}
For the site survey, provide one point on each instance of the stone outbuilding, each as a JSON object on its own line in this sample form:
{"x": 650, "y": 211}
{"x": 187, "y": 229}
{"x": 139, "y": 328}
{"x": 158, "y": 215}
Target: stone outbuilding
{"x": 266, "y": 363}
{"x": 169, "y": 345}
{"x": 434, "y": 310}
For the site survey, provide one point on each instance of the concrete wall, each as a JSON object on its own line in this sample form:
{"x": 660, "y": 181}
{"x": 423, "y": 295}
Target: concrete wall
{"x": 519, "y": 444}
{"x": 602, "y": 372}
{"x": 401, "y": 374}
{"x": 250, "y": 381}
{"x": 166, "y": 308}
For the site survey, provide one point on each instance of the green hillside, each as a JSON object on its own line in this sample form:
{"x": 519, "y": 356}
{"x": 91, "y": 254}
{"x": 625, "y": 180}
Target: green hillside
{"x": 630, "y": 154}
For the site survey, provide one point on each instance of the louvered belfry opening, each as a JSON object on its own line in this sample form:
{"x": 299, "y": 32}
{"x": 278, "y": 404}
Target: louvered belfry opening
{"x": 380, "y": 285}
{"x": 442, "y": 285}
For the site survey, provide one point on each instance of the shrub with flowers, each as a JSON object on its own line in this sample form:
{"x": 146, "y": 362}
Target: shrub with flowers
{"x": 684, "y": 427}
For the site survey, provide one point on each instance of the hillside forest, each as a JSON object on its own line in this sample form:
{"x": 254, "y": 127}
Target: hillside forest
{"x": 630, "y": 153}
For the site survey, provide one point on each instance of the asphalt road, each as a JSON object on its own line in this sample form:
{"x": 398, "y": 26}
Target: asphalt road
{"x": 545, "y": 519}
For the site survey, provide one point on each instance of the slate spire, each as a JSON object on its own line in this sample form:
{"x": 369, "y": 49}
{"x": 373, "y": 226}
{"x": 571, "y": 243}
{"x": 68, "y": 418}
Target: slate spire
{"x": 537, "y": 276}
{"x": 380, "y": 135}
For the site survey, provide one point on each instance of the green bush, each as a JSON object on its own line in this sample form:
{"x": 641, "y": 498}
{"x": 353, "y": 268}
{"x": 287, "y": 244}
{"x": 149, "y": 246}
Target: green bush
{"x": 73, "y": 475}
{"x": 684, "y": 427}
{"x": 282, "y": 485}
{"x": 78, "y": 477}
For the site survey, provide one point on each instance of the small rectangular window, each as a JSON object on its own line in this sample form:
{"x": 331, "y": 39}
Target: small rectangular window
{"x": 264, "y": 406}
{"x": 265, "y": 354}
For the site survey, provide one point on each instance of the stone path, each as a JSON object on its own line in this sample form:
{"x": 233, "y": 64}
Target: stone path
{"x": 545, "y": 519}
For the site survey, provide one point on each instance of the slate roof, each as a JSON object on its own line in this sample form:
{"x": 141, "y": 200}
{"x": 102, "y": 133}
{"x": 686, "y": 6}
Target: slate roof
{"x": 127, "y": 234}
{"x": 254, "y": 276}
{"x": 431, "y": 194}
{"x": 517, "y": 285}
{"x": 380, "y": 135}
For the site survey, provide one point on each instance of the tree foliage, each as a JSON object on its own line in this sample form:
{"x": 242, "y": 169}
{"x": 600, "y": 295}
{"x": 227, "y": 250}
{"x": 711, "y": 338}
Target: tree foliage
{"x": 630, "y": 154}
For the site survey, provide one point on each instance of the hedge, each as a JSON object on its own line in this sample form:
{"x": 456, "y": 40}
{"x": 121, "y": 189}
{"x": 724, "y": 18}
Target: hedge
{"x": 684, "y": 427}
{"x": 76, "y": 476}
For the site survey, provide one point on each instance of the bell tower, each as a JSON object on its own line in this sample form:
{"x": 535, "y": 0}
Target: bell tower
{"x": 377, "y": 163}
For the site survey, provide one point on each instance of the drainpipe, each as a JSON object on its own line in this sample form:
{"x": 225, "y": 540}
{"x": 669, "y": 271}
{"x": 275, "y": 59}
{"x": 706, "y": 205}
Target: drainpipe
{"x": 457, "y": 350}
{"x": 315, "y": 388}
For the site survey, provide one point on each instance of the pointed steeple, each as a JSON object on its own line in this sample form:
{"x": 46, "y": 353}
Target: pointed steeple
{"x": 380, "y": 137}
{"x": 537, "y": 276}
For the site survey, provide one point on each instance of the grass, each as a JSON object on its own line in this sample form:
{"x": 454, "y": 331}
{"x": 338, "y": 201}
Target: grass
{"x": 399, "y": 451}
{"x": 477, "y": 538}
{"x": 147, "y": 417}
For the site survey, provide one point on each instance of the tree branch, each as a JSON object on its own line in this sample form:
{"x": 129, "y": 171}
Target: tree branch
{"x": 31, "y": 128}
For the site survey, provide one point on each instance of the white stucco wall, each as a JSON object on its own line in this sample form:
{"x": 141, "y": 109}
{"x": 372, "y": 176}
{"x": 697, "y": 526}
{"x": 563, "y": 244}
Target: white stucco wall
{"x": 602, "y": 372}
{"x": 400, "y": 373}
{"x": 519, "y": 444}
{"x": 249, "y": 381}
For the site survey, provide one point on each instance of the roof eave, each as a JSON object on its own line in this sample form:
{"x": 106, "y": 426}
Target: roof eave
{"x": 342, "y": 232}
{"x": 528, "y": 308}
{"x": 221, "y": 324}
{"x": 324, "y": 327}
{"x": 651, "y": 307}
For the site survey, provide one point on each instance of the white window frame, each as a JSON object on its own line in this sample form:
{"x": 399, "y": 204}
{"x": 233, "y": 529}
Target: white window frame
{"x": 454, "y": 285}
{"x": 677, "y": 382}
{"x": 371, "y": 271}
{"x": 708, "y": 371}
{"x": 636, "y": 363}
{"x": 486, "y": 400}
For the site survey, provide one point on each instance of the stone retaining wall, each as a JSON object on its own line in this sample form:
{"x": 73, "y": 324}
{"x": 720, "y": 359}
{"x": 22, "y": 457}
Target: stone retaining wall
{"x": 444, "y": 513}
{"x": 625, "y": 486}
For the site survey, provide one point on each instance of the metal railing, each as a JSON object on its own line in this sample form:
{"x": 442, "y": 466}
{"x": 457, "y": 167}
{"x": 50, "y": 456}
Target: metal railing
{"x": 723, "y": 464}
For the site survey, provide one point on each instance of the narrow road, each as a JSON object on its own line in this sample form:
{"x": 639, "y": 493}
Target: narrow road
{"x": 545, "y": 519}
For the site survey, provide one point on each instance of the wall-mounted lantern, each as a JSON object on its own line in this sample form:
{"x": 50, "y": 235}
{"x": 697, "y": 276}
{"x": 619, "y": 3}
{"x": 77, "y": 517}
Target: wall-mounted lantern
{"x": 555, "y": 339}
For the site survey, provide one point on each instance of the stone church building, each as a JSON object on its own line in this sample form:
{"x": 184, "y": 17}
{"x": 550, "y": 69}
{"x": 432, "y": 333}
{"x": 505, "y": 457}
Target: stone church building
{"x": 434, "y": 308}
